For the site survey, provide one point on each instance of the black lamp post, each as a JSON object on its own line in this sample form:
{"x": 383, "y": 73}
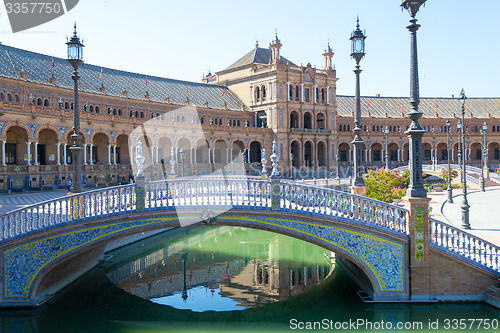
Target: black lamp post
{"x": 465, "y": 204}
{"x": 414, "y": 132}
{"x": 357, "y": 52}
{"x": 450, "y": 190}
{"x": 75, "y": 58}
{"x": 484, "y": 154}
{"x": 386, "y": 131}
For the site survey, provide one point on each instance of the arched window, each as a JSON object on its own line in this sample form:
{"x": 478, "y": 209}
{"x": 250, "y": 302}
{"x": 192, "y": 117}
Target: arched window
{"x": 1, "y": 96}
{"x": 91, "y": 108}
{"x": 45, "y": 102}
{"x": 373, "y": 128}
{"x": 323, "y": 95}
{"x": 348, "y": 128}
{"x": 66, "y": 105}
{"x": 202, "y": 120}
{"x": 365, "y": 128}
{"x": 290, "y": 92}
{"x": 340, "y": 127}
{"x": 344, "y": 128}
{"x": 234, "y": 122}
{"x": 238, "y": 123}
{"x": 183, "y": 119}
{"x": 475, "y": 129}
{"x": 9, "y": 98}
{"x": 96, "y": 109}
{"x": 131, "y": 113}
{"x": 178, "y": 119}
{"x": 38, "y": 101}
{"x": 16, "y": 98}
{"x": 110, "y": 110}
{"x": 317, "y": 94}
{"x": 114, "y": 112}
{"x": 297, "y": 94}
{"x": 119, "y": 112}
{"x": 257, "y": 94}
{"x": 142, "y": 114}
{"x": 378, "y": 129}
{"x": 71, "y": 106}
{"x": 264, "y": 93}
{"x": 220, "y": 122}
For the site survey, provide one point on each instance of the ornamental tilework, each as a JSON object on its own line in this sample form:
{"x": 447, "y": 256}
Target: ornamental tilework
{"x": 384, "y": 258}
{"x": 23, "y": 263}
{"x": 419, "y": 234}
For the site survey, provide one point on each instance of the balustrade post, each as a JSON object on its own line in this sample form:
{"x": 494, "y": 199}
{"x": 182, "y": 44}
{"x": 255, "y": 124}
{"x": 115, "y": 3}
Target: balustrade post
{"x": 419, "y": 264}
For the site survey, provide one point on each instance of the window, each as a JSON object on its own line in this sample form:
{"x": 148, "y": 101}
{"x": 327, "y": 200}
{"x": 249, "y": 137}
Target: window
{"x": 306, "y": 93}
{"x": 66, "y": 105}
{"x": 257, "y": 94}
{"x": 297, "y": 93}
{"x": 1, "y": 96}
{"x": 119, "y": 112}
{"x": 9, "y": 98}
{"x": 96, "y": 109}
{"x": 263, "y": 93}
{"x": 38, "y": 101}
{"x": 343, "y": 155}
{"x": 10, "y": 153}
{"x": 16, "y": 98}
{"x": 91, "y": 108}
{"x": 202, "y": 120}
{"x": 142, "y": 114}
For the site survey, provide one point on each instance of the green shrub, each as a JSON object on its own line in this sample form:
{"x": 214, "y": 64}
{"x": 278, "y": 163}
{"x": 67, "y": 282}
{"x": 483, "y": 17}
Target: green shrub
{"x": 385, "y": 185}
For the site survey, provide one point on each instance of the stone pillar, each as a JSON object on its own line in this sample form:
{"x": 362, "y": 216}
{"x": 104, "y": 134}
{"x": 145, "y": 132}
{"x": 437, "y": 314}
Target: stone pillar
{"x": 370, "y": 155}
{"x": 327, "y": 94}
{"x": 418, "y": 230}
{"x": 58, "y": 153}
{"x": 314, "y": 93}
{"x": 35, "y": 160}
{"x": 91, "y": 162}
{"x": 84, "y": 154}
{"x": 131, "y": 148}
{"x": 28, "y": 158}
{"x": 3, "y": 153}
{"x": 302, "y": 92}
{"x": 287, "y": 94}
{"x": 109, "y": 154}
{"x": 65, "y": 159}
{"x": 157, "y": 155}
{"x": 114, "y": 154}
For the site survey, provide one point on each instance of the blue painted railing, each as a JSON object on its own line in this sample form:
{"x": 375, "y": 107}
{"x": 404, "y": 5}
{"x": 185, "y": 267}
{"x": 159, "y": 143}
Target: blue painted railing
{"x": 202, "y": 193}
{"x": 463, "y": 244}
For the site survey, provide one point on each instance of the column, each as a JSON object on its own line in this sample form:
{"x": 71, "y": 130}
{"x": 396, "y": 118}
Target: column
{"x": 131, "y": 148}
{"x": 399, "y": 155}
{"x": 58, "y": 153}
{"x": 90, "y": 154}
{"x": 452, "y": 158}
{"x": 64, "y": 154}
{"x": 302, "y": 92}
{"x": 153, "y": 155}
{"x": 248, "y": 155}
{"x": 366, "y": 155}
{"x": 176, "y": 155}
{"x": 84, "y": 154}
{"x": 382, "y": 157}
{"x": 109, "y": 154}
{"x": 191, "y": 155}
{"x": 157, "y": 155}
{"x": 35, "y": 160}
{"x": 288, "y": 91}
{"x": 350, "y": 152}
{"x": 327, "y": 94}
{"x": 28, "y": 159}
{"x": 314, "y": 94}
{"x": 114, "y": 154}
{"x": 370, "y": 155}
{"x": 3, "y": 152}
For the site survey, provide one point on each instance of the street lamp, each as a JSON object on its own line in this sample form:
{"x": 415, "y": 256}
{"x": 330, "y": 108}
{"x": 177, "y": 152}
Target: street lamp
{"x": 459, "y": 133}
{"x": 484, "y": 154}
{"x": 183, "y": 156}
{"x": 291, "y": 166}
{"x": 357, "y": 52}
{"x": 386, "y": 131}
{"x": 450, "y": 190}
{"x": 75, "y": 58}
{"x": 414, "y": 132}
{"x": 465, "y": 204}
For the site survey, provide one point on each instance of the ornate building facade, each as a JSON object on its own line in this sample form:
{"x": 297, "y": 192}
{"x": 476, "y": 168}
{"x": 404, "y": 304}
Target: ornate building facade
{"x": 228, "y": 118}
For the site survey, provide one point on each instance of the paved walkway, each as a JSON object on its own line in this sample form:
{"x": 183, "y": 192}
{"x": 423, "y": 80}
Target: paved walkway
{"x": 484, "y": 212}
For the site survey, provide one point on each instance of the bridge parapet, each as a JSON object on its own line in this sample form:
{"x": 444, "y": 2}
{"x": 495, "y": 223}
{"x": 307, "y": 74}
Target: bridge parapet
{"x": 219, "y": 193}
{"x": 460, "y": 243}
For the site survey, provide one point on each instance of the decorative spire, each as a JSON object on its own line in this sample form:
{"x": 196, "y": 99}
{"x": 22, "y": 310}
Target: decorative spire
{"x": 264, "y": 162}
{"x": 139, "y": 158}
{"x": 274, "y": 159}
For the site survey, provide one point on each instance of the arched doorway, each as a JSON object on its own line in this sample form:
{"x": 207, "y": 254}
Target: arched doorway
{"x": 294, "y": 119}
{"x": 308, "y": 154}
{"x": 47, "y": 147}
{"x": 255, "y": 152}
{"x": 307, "y": 120}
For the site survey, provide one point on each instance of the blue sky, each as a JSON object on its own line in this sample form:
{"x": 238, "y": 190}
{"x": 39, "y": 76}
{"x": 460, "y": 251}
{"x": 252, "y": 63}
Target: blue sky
{"x": 458, "y": 42}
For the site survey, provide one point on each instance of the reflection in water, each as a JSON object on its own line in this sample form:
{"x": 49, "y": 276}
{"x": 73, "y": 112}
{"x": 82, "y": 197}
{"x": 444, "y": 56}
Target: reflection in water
{"x": 94, "y": 304}
{"x": 223, "y": 268}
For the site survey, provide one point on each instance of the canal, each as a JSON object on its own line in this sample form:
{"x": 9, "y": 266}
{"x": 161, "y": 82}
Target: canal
{"x": 213, "y": 279}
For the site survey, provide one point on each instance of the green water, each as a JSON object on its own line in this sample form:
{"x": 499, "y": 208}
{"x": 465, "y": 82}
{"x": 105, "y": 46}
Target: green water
{"x": 212, "y": 279}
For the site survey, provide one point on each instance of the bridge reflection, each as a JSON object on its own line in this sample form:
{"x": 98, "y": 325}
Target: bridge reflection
{"x": 227, "y": 260}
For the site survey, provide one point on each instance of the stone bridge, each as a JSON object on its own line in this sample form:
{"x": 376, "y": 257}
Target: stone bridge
{"x": 395, "y": 254}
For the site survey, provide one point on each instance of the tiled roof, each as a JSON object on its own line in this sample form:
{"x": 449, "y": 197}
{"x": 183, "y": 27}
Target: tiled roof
{"x": 258, "y": 55}
{"x": 431, "y": 107}
{"x": 39, "y": 69}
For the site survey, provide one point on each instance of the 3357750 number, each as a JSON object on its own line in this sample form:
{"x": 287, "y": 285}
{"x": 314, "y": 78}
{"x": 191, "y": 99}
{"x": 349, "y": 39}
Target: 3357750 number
{"x": 33, "y": 8}
{"x": 468, "y": 324}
